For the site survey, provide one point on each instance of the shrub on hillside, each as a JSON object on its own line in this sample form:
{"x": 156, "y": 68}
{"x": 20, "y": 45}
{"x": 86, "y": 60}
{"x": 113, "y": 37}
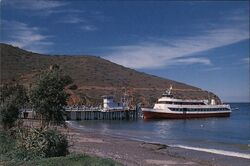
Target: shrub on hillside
{"x": 73, "y": 87}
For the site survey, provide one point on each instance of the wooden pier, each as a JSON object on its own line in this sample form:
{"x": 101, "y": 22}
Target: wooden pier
{"x": 95, "y": 114}
{"x": 80, "y": 113}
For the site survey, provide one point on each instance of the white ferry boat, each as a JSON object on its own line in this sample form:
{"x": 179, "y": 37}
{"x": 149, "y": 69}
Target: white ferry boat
{"x": 168, "y": 107}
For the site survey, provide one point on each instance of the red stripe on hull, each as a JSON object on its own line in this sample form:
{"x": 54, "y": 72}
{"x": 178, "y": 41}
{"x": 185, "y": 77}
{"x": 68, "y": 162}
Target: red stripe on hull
{"x": 158, "y": 115}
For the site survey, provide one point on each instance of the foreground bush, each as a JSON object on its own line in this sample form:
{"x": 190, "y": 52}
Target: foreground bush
{"x": 11, "y": 155}
{"x": 41, "y": 143}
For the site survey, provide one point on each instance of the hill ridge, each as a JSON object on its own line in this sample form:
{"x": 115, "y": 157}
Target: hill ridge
{"x": 89, "y": 74}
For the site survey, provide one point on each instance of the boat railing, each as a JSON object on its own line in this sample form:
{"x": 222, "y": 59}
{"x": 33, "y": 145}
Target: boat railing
{"x": 198, "y": 106}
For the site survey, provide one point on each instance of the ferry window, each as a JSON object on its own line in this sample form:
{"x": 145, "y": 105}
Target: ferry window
{"x": 165, "y": 102}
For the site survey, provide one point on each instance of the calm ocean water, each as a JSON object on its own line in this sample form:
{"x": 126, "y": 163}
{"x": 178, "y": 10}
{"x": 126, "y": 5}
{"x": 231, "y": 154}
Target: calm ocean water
{"x": 219, "y": 135}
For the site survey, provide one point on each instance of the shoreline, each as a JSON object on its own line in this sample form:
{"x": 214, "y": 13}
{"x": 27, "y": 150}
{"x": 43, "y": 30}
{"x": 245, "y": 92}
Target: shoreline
{"x": 138, "y": 152}
{"x": 201, "y": 149}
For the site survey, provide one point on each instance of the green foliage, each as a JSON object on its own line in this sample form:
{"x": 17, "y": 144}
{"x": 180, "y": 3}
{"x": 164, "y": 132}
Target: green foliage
{"x": 7, "y": 142}
{"x": 73, "y": 87}
{"x": 8, "y": 114}
{"x": 12, "y": 98}
{"x": 48, "y": 97}
{"x": 40, "y": 143}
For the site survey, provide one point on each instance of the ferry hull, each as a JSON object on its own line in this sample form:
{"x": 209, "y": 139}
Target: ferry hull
{"x": 160, "y": 115}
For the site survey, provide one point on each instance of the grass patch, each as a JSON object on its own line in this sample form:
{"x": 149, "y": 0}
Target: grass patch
{"x": 75, "y": 160}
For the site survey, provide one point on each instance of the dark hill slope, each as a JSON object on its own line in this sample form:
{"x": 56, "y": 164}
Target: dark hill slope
{"x": 94, "y": 77}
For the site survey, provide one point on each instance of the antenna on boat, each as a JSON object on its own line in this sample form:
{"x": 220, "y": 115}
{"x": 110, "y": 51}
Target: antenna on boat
{"x": 170, "y": 89}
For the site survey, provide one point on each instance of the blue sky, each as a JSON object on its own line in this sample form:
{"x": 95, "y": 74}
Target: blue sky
{"x": 205, "y": 44}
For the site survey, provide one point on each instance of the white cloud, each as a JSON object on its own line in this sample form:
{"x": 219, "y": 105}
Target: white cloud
{"x": 204, "y": 61}
{"x": 72, "y": 19}
{"x": 83, "y": 22}
{"x": 160, "y": 52}
{"x": 75, "y": 19}
{"x": 25, "y": 36}
{"x": 35, "y": 4}
{"x": 171, "y": 51}
{"x": 246, "y": 60}
{"x": 88, "y": 28}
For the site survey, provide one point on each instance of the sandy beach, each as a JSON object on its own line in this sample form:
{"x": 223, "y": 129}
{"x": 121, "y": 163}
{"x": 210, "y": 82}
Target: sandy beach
{"x": 133, "y": 152}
